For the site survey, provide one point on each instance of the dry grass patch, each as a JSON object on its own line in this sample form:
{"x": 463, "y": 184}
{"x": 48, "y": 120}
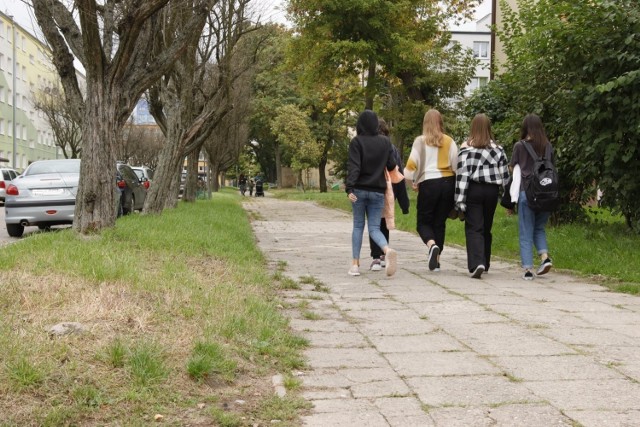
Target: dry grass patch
{"x": 187, "y": 331}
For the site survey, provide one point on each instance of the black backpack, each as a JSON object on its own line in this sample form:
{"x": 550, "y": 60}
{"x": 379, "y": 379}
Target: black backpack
{"x": 542, "y": 186}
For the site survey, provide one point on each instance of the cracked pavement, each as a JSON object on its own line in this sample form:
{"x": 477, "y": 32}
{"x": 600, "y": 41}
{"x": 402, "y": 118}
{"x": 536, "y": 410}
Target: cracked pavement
{"x": 429, "y": 348}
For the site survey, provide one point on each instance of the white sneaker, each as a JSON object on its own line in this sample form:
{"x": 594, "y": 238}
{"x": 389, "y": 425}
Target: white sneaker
{"x": 376, "y": 265}
{"x": 383, "y": 262}
{"x": 392, "y": 260}
{"x": 354, "y": 270}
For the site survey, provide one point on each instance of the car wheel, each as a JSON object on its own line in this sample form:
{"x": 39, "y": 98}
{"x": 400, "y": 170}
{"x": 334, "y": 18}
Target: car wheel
{"x": 15, "y": 230}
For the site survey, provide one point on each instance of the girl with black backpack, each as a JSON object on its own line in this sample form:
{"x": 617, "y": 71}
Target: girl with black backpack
{"x": 531, "y": 223}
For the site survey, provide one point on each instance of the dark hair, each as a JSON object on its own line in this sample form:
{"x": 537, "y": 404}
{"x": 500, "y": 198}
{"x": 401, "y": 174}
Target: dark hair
{"x": 383, "y": 127}
{"x": 533, "y": 132}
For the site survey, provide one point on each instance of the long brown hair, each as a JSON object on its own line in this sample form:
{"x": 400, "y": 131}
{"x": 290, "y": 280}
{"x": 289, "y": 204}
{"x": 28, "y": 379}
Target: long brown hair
{"x": 533, "y": 132}
{"x": 480, "y": 135}
{"x": 433, "y": 128}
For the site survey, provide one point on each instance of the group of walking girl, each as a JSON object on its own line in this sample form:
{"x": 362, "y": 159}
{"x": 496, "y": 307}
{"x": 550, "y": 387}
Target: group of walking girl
{"x": 451, "y": 182}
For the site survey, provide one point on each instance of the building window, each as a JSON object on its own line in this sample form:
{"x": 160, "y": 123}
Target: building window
{"x": 2, "y": 99}
{"x": 31, "y": 61}
{"x": 1, "y": 61}
{"x": 10, "y": 97}
{"x": 1, "y": 33}
{"x": 478, "y": 82}
{"x": 481, "y": 49}
{"x": 24, "y": 73}
{"x": 10, "y": 128}
{"x": 1, "y": 128}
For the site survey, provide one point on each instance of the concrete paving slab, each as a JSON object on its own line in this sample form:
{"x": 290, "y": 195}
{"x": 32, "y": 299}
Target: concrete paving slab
{"x": 605, "y": 418}
{"x": 472, "y": 390}
{"x": 519, "y": 415}
{"x": 440, "y": 364}
{"x": 600, "y": 394}
{"x": 549, "y": 368}
{"x": 433, "y": 342}
{"x": 399, "y": 351}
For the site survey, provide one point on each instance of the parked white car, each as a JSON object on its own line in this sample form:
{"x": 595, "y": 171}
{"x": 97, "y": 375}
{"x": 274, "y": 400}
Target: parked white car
{"x": 44, "y": 195}
{"x": 145, "y": 175}
{"x": 6, "y": 176}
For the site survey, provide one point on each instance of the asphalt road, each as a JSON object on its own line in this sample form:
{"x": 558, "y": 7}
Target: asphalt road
{"x": 4, "y": 236}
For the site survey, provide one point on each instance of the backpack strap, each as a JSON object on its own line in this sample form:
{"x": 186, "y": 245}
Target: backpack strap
{"x": 529, "y": 149}
{"x": 547, "y": 151}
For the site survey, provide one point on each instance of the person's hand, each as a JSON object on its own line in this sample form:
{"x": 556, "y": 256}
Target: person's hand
{"x": 414, "y": 186}
{"x": 509, "y": 212}
{"x": 352, "y": 197}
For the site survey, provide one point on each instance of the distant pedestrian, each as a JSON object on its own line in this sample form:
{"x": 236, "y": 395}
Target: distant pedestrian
{"x": 482, "y": 170}
{"x": 242, "y": 184}
{"x": 399, "y": 194}
{"x": 431, "y": 171}
{"x": 251, "y": 184}
{"x": 531, "y": 224}
{"x": 369, "y": 155}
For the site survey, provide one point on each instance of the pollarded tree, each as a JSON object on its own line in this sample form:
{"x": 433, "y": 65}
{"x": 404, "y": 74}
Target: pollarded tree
{"x": 192, "y": 99}
{"x": 112, "y": 40}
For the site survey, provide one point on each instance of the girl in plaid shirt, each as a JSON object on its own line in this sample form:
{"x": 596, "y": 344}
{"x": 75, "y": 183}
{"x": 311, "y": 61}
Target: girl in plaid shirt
{"x": 482, "y": 170}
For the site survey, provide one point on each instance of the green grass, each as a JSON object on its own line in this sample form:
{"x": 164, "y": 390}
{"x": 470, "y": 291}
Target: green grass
{"x": 180, "y": 307}
{"x": 606, "y": 250}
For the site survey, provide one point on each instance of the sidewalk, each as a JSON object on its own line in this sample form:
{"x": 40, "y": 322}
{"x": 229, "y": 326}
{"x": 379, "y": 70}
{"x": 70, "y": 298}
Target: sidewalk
{"x": 441, "y": 349}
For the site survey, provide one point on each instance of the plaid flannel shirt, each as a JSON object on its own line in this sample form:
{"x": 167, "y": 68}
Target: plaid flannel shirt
{"x": 483, "y": 165}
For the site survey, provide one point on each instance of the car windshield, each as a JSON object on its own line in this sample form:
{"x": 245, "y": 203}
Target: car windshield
{"x": 139, "y": 172}
{"x": 54, "y": 166}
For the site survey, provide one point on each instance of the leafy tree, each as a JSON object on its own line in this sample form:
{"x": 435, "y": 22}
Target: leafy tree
{"x": 273, "y": 87}
{"x": 292, "y": 128}
{"x": 576, "y": 64}
{"x": 383, "y": 39}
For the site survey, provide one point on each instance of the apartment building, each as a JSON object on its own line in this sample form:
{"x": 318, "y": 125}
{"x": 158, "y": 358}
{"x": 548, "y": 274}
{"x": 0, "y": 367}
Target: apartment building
{"x": 25, "y": 68}
{"x": 476, "y": 36}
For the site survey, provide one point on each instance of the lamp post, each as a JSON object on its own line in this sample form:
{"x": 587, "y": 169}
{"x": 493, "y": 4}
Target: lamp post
{"x": 13, "y": 132}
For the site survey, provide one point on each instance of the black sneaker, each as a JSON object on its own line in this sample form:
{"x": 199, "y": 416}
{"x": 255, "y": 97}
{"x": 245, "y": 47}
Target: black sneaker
{"x": 527, "y": 275}
{"x": 433, "y": 257}
{"x": 477, "y": 273}
{"x": 545, "y": 266}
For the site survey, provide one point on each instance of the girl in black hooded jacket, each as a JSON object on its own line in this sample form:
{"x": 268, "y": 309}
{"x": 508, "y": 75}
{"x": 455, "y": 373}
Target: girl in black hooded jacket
{"x": 369, "y": 154}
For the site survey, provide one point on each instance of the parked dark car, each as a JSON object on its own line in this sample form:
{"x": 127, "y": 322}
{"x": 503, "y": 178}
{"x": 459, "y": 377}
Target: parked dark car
{"x": 132, "y": 190}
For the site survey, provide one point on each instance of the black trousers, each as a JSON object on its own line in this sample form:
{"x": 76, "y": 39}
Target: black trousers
{"x": 435, "y": 201}
{"x": 482, "y": 200}
{"x": 376, "y": 251}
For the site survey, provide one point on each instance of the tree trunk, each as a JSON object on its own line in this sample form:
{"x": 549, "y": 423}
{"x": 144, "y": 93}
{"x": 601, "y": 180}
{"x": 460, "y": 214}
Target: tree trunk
{"x": 191, "y": 184}
{"x": 214, "y": 173}
{"x": 323, "y": 174}
{"x": 278, "y": 166}
{"x": 96, "y": 198}
{"x": 370, "y": 90}
{"x": 166, "y": 181}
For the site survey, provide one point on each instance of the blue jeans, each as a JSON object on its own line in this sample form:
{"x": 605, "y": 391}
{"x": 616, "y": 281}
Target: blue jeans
{"x": 531, "y": 231}
{"x": 369, "y": 204}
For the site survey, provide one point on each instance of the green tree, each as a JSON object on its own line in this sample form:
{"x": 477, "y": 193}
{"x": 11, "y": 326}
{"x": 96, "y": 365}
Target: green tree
{"x": 292, "y": 128}
{"x": 382, "y": 40}
{"x": 577, "y": 65}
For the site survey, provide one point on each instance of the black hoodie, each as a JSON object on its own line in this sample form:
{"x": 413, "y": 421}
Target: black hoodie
{"x": 369, "y": 154}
